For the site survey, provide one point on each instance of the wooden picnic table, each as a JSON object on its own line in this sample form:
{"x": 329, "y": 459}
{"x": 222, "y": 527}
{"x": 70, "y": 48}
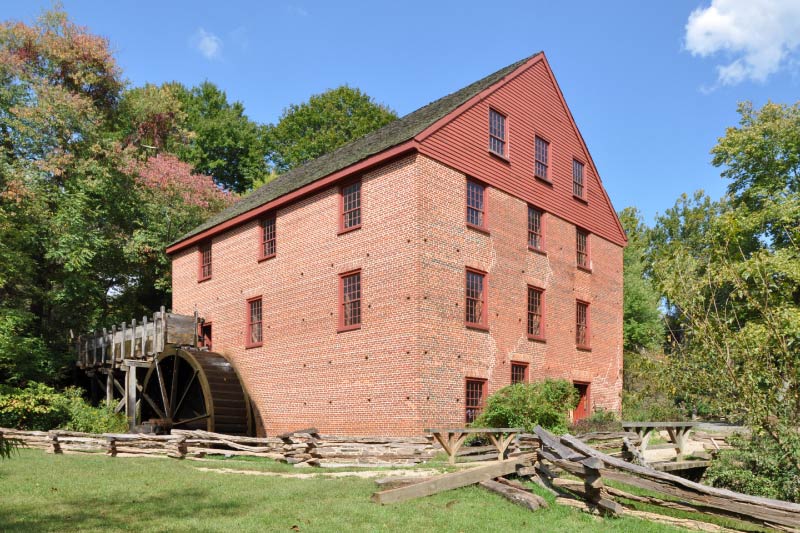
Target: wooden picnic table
{"x": 678, "y": 433}
{"x": 451, "y": 439}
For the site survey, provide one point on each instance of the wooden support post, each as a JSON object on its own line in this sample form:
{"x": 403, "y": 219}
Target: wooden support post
{"x": 144, "y": 337}
{"x": 113, "y": 346}
{"x": 162, "y": 313}
{"x": 133, "y": 339}
{"x": 130, "y": 396}
{"x": 55, "y": 446}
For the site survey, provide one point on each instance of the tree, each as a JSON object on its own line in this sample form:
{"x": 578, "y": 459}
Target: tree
{"x": 643, "y": 327}
{"x": 324, "y": 123}
{"x": 200, "y": 127}
{"x": 86, "y": 205}
{"x": 730, "y": 272}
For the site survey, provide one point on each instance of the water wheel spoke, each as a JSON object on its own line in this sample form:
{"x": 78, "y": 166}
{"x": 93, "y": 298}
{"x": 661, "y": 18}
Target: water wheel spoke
{"x": 190, "y": 420}
{"x": 185, "y": 392}
{"x": 156, "y": 408}
{"x": 174, "y": 385}
{"x": 163, "y": 389}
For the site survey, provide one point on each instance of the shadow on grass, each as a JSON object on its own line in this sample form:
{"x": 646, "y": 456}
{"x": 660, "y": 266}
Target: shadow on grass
{"x": 152, "y": 512}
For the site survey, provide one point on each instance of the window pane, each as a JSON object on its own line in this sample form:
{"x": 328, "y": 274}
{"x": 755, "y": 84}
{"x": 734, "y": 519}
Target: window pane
{"x": 582, "y": 247}
{"x": 577, "y": 178}
{"x": 582, "y": 324}
{"x": 351, "y": 205}
{"x": 534, "y": 228}
{"x": 351, "y": 300}
{"x": 475, "y": 298}
{"x": 474, "y": 399}
{"x": 518, "y": 373}
{"x": 535, "y": 312}
{"x": 255, "y": 325}
{"x": 497, "y": 132}
{"x": 475, "y": 214}
{"x": 205, "y": 261}
{"x": 542, "y": 148}
{"x": 268, "y": 237}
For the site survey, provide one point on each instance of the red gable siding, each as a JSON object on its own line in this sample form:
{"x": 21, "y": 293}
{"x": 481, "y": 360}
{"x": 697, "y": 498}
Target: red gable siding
{"x": 533, "y": 105}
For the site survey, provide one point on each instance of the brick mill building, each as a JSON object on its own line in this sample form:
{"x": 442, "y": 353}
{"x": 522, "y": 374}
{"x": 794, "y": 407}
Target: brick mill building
{"x": 392, "y": 285}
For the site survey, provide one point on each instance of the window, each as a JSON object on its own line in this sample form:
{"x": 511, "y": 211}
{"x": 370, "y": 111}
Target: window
{"x": 476, "y": 205}
{"x": 205, "y": 262}
{"x": 268, "y": 238}
{"x": 350, "y": 207}
{"x": 582, "y": 324}
{"x": 254, "y": 323}
{"x": 535, "y": 233}
{"x": 582, "y": 247}
{"x": 497, "y": 133}
{"x": 350, "y": 300}
{"x": 542, "y": 156}
{"x": 476, "y": 299}
{"x": 519, "y": 373}
{"x": 475, "y": 397}
{"x": 535, "y": 313}
{"x": 577, "y": 178}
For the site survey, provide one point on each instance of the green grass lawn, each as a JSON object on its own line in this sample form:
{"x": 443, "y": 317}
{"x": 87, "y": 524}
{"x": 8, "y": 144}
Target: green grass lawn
{"x": 42, "y": 492}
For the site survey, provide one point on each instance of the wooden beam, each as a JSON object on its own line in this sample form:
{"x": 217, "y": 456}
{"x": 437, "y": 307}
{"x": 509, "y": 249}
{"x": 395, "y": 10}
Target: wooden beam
{"x": 515, "y": 495}
{"x": 453, "y": 480}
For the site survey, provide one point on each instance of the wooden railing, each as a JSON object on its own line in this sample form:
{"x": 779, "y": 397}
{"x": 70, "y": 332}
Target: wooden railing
{"x": 109, "y": 347}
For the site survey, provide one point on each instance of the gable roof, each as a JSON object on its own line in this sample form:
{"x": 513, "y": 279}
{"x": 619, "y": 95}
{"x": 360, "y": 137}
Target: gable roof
{"x": 389, "y": 136}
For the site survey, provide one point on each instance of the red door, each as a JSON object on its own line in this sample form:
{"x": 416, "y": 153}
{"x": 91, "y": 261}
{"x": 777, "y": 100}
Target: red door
{"x": 582, "y": 410}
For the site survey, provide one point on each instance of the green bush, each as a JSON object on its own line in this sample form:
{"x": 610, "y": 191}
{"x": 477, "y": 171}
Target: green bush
{"x": 599, "y": 420}
{"x": 755, "y": 466}
{"x": 546, "y": 403}
{"x": 42, "y": 408}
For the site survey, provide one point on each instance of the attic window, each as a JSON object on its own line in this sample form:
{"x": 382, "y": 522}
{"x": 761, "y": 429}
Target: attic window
{"x": 577, "y": 178}
{"x": 542, "y": 157}
{"x": 497, "y": 133}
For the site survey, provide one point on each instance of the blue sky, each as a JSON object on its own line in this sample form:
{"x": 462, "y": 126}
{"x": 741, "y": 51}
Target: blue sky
{"x": 649, "y": 108}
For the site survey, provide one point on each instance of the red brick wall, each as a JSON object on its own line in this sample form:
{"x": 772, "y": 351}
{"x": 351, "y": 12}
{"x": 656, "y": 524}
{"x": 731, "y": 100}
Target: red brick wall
{"x": 453, "y": 352}
{"x": 358, "y": 382}
{"x": 404, "y": 370}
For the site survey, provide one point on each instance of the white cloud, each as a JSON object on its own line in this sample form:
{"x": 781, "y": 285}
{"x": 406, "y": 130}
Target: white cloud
{"x": 758, "y": 37}
{"x": 207, "y": 44}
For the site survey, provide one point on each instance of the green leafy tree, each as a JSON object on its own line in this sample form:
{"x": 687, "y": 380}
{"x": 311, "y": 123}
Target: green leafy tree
{"x": 324, "y": 123}
{"x": 643, "y": 327}
{"x": 730, "y": 272}
{"x": 85, "y": 211}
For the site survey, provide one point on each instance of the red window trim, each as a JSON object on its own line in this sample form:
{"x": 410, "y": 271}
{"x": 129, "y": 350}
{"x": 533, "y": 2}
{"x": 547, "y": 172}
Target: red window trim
{"x": 484, "y": 323}
{"x": 248, "y": 325}
{"x": 542, "y": 232}
{"x": 547, "y": 178}
{"x": 342, "y": 187}
{"x": 485, "y": 227}
{"x": 542, "y": 311}
{"x": 525, "y": 376}
{"x": 262, "y": 229}
{"x": 585, "y": 198}
{"x": 340, "y": 327}
{"x": 505, "y": 155}
{"x": 200, "y": 248}
{"x": 483, "y": 382}
{"x": 588, "y": 267}
{"x": 588, "y": 345}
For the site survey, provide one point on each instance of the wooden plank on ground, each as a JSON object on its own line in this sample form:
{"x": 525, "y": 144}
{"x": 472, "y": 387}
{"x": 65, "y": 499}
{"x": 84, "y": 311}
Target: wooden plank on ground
{"x": 515, "y": 495}
{"x": 452, "y": 480}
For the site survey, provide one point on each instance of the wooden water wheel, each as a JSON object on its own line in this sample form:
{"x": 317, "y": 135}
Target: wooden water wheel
{"x": 192, "y": 389}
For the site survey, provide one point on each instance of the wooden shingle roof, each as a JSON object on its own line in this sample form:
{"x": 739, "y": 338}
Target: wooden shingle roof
{"x": 393, "y": 134}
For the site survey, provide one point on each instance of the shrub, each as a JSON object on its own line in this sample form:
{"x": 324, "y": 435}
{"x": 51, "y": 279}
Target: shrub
{"x": 546, "y": 403}
{"x": 755, "y": 466}
{"x": 599, "y": 420}
{"x": 42, "y": 408}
